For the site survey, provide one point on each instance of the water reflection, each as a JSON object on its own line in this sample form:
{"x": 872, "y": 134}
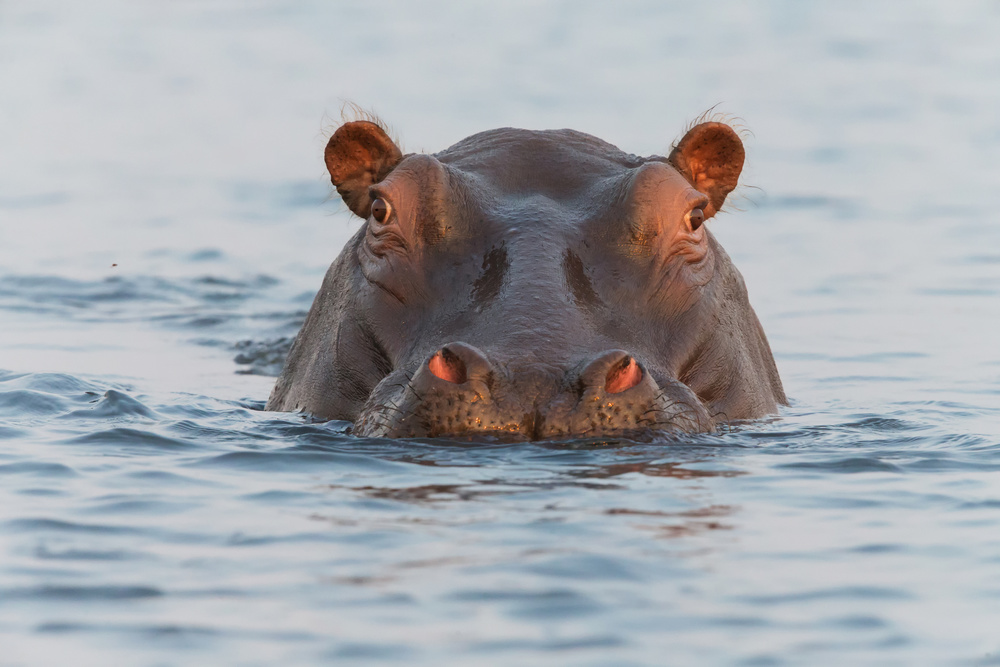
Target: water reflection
{"x": 655, "y": 469}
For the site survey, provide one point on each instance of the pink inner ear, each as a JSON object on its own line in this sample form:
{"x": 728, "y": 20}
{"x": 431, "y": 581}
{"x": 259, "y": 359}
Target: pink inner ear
{"x": 623, "y": 376}
{"x": 446, "y": 365}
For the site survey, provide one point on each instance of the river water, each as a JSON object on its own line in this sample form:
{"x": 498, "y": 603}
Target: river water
{"x": 166, "y": 221}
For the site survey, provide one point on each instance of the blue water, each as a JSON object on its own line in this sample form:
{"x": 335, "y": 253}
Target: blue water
{"x": 166, "y": 222}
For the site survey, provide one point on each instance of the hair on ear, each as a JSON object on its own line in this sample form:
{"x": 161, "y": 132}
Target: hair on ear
{"x": 352, "y": 111}
{"x": 710, "y": 115}
{"x": 738, "y": 125}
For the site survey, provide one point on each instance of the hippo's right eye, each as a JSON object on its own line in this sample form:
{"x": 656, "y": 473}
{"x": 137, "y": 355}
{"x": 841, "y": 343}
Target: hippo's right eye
{"x": 695, "y": 217}
{"x": 381, "y": 210}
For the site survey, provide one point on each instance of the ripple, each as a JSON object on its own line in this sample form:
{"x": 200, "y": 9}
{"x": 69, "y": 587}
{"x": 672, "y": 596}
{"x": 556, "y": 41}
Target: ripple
{"x": 279, "y": 496}
{"x": 879, "y": 548}
{"x": 78, "y": 593}
{"x": 858, "y": 622}
{"x": 51, "y": 198}
{"x": 153, "y": 631}
{"x": 880, "y": 424}
{"x": 586, "y": 566}
{"x": 590, "y": 642}
{"x": 113, "y": 404}
{"x": 262, "y": 357}
{"x": 989, "y": 504}
{"x": 138, "y": 506}
{"x": 45, "y": 553}
{"x": 156, "y": 478}
{"x": 133, "y": 439}
{"x": 38, "y": 469}
{"x": 292, "y": 460}
{"x": 59, "y": 526}
{"x": 172, "y": 631}
{"x": 845, "y": 465}
{"x": 941, "y": 463}
{"x": 844, "y": 592}
{"x": 191, "y": 303}
{"x": 192, "y": 430}
{"x": 544, "y": 604}
{"x": 11, "y": 433}
{"x": 370, "y": 651}
{"x": 242, "y": 540}
{"x": 22, "y": 403}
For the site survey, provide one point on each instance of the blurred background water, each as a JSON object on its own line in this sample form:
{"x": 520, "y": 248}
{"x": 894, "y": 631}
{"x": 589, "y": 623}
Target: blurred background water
{"x": 165, "y": 221}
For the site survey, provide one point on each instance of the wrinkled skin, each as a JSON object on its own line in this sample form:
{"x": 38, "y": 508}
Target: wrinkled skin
{"x": 532, "y": 285}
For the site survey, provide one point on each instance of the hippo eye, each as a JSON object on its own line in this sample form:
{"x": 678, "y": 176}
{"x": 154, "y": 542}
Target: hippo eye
{"x": 381, "y": 210}
{"x": 695, "y": 217}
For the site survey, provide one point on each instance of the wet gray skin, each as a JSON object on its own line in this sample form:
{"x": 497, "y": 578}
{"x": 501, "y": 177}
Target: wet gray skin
{"x": 532, "y": 285}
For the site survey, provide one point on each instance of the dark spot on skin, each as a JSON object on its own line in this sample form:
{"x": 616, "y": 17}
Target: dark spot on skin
{"x": 579, "y": 283}
{"x": 532, "y": 424}
{"x": 378, "y": 355}
{"x": 490, "y": 282}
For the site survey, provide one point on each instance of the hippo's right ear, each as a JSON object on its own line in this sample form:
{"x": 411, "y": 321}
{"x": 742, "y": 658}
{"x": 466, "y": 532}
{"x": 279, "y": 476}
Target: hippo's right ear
{"x": 360, "y": 154}
{"x": 710, "y": 157}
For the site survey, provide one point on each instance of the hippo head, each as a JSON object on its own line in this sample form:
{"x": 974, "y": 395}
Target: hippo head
{"x": 531, "y": 285}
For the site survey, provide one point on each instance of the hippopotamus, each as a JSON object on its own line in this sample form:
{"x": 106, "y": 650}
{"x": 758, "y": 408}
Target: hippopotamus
{"x": 532, "y": 285}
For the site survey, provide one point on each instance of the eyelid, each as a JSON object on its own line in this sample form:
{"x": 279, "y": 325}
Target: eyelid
{"x": 698, "y": 202}
{"x": 689, "y": 198}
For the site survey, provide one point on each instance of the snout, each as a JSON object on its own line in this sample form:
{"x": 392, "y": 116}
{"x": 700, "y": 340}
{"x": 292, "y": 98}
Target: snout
{"x": 459, "y": 391}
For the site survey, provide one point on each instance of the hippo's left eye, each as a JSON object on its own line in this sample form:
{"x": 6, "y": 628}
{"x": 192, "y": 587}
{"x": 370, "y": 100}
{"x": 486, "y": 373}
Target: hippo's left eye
{"x": 381, "y": 210}
{"x": 694, "y": 218}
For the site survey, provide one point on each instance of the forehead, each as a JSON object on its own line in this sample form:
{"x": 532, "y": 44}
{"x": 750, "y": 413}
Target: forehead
{"x": 558, "y": 164}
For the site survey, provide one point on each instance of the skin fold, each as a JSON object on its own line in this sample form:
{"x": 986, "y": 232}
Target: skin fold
{"x": 529, "y": 285}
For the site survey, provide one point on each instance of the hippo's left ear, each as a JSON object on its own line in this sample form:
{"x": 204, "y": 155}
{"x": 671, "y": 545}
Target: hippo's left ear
{"x": 358, "y": 155}
{"x": 710, "y": 157}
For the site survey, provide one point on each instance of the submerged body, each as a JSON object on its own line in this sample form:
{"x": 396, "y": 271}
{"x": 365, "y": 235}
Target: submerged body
{"x": 531, "y": 285}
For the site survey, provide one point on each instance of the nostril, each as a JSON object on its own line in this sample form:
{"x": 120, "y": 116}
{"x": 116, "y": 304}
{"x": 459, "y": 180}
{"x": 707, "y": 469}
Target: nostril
{"x": 623, "y": 375}
{"x": 448, "y": 366}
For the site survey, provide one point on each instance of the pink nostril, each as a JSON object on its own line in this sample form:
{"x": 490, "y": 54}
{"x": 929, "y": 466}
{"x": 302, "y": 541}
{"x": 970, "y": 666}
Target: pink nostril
{"x": 447, "y": 365}
{"x": 623, "y": 375}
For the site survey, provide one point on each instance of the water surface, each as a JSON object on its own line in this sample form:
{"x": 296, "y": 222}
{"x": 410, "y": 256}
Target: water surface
{"x": 166, "y": 223}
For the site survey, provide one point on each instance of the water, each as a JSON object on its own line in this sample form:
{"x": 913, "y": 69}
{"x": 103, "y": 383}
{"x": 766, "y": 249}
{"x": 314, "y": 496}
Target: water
{"x": 165, "y": 225}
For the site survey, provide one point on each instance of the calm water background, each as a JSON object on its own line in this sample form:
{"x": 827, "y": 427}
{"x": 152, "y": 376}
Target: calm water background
{"x": 151, "y": 513}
